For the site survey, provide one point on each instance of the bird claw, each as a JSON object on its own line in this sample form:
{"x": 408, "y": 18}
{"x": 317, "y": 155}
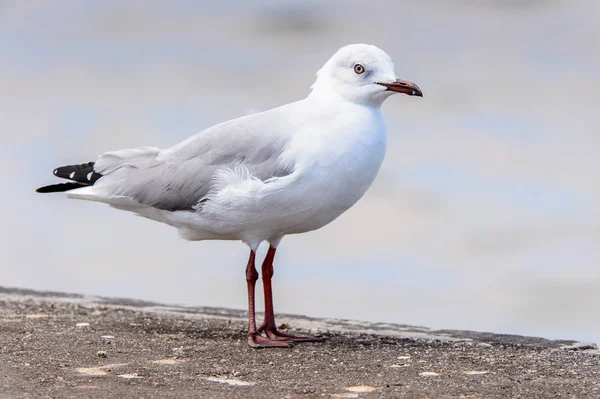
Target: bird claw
{"x": 275, "y": 335}
{"x": 258, "y": 342}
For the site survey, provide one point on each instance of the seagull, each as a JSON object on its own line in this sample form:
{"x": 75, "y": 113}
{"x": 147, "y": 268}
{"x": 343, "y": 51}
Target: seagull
{"x": 257, "y": 178}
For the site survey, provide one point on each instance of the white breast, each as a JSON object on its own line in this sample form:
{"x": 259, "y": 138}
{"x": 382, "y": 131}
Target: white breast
{"x": 335, "y": 166}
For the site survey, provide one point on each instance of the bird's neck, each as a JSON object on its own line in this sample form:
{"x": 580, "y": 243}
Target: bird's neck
{"x": 326, "y": 96}
{"x": 324, "y": 93}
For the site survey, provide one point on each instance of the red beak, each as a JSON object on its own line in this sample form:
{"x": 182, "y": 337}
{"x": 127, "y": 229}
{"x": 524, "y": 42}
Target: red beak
{"x": 403, "y": 86}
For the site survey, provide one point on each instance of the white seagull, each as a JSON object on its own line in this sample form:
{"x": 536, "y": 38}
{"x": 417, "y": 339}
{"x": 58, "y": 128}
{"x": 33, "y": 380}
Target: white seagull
{"x": 288, "y": 170}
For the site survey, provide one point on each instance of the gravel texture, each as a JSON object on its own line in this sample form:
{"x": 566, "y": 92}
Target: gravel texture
{"x": 59, "y": 345}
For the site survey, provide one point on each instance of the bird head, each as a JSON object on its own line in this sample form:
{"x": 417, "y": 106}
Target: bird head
{"x": 363, "y": 74}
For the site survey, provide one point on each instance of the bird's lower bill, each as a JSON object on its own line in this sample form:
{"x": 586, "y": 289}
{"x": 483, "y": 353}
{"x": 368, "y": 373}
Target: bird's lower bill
{"x": 403, "y": 86}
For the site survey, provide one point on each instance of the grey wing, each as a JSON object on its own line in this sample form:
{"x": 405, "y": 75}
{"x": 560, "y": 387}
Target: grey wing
{"x": 180, "y": 178}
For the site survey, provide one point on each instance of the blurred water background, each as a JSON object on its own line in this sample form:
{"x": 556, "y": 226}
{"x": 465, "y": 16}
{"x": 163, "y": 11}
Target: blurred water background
{"x": 485, "y": 215}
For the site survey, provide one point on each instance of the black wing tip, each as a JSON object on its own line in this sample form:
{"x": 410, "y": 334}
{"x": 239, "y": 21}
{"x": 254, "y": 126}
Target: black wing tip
{"x": 59, "y": 188}
{"x": 82, "y": 173}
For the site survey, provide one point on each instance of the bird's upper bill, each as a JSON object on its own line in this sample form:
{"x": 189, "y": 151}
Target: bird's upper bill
{"x": 403, "y": 86}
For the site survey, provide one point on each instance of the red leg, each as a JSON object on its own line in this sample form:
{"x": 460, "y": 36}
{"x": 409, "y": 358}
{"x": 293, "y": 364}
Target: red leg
{"x": 269, "y": 326}
{"x": 254, "y": 338}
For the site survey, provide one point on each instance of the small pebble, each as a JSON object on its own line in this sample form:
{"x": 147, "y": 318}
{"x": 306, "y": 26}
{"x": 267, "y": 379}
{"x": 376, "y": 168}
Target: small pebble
{"x": 360, "y": 388}
{"x": 129, "y": 376}
{"x": 82, "y": 324}
{"x": 102, "y": 354}
{"x": 36, "y": 316}
{"x": 229, "y": 381}
{"x": 473, "y": 372}
{"x": 165, "y": 361}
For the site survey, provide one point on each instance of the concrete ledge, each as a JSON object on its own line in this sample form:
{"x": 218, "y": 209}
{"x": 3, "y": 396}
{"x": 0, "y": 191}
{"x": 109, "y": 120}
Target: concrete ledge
{"x": 64, "y": 345}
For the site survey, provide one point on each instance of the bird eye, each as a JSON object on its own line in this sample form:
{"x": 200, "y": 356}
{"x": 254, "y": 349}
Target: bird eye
{"x": 358, "y": 69}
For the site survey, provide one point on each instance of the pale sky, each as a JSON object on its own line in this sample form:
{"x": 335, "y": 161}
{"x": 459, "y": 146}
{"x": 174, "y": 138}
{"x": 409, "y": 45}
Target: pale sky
{"x": 485, "y": 215}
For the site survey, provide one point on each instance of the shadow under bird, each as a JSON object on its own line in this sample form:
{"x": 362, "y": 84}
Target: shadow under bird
{"x": 288, "y": 170}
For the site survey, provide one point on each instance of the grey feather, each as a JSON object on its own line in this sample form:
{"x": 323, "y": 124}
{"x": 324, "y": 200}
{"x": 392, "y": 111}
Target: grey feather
{"x": 179, "y": 178}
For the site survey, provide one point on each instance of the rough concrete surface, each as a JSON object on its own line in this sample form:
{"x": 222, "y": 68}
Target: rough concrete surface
{"x": 71, "y": 346}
